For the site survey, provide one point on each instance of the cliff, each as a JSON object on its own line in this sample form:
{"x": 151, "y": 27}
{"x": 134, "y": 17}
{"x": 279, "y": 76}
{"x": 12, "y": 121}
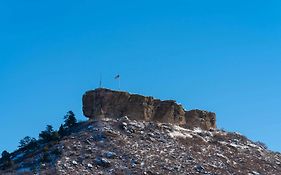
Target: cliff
{"x": 105, "y": 103}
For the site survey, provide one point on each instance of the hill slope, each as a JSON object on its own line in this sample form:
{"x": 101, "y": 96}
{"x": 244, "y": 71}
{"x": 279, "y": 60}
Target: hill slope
{"x": 123, "y": 146}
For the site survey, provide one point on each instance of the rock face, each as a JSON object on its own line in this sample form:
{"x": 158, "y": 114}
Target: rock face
{"x": 105, "y": 103}
{"x": 202, "y": 119}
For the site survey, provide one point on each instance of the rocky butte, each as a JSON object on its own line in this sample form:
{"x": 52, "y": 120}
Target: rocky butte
{"x": 121, "y": 138}
{"x": 105, "y": 103}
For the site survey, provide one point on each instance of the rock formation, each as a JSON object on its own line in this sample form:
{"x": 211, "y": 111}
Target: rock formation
{"x": 123, "y": 146}
{"x": 105, "y": 103}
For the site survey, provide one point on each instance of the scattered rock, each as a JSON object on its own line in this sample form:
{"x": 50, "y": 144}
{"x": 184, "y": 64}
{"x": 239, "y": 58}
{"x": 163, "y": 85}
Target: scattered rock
{"x": 89, "y": 165}
{"x": 110, "y": 155}
{"x": 134, "y": 163}
{"x": 74, "y": 162}
{"x": 102, "y": 162}
{"x": 99, "y": 137}
{"x": 199, "y": 168}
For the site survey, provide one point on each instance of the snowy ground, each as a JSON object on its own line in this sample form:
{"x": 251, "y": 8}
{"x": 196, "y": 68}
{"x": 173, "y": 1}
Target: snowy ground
{"x": 134, "y": 147}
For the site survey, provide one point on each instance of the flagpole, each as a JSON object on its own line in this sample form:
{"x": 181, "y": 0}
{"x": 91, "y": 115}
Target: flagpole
{"x": 100, "y": 80}
{"x": 119, "y": 79}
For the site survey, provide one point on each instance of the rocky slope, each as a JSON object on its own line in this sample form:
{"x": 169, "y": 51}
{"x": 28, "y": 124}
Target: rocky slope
{"x": 123, "y": 146}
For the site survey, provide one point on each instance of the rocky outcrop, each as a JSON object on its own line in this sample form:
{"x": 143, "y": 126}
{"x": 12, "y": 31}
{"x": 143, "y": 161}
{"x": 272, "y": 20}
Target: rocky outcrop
{"x": 201, "y": 119}
{"x": 105, "y": 103}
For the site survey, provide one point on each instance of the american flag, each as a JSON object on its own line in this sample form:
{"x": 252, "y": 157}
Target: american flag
{"x": 117, "y": 77}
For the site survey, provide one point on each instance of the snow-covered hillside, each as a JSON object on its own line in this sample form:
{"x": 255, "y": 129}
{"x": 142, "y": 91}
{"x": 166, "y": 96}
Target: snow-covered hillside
{"x": 125, "y": 146}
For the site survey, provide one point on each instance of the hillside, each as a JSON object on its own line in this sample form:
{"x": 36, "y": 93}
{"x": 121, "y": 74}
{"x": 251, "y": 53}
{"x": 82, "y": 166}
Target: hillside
{"x": 124, "y": 146}
{"x": 130, "y": 147}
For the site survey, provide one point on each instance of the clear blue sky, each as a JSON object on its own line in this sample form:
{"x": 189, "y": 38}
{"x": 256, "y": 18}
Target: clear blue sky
{"x": 222, "y": 56}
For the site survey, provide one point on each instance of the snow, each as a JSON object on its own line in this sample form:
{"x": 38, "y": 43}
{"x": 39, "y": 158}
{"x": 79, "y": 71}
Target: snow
{"x": 254, "y": 146}
{"x": 107, "y": 119}
{"x": 178, "y": 134}
{"x": 178, "y": 128}
{"x": 238, "y": 146}
{"x": 254, "y": 173}
{"x": 137, "y": 124}
{"x": 233, "y": 145}
{"x": 197, "y": 130}
{"x": 222, "y": 156}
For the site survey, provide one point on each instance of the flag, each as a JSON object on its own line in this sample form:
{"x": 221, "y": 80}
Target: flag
{"x": 117, "y": 77}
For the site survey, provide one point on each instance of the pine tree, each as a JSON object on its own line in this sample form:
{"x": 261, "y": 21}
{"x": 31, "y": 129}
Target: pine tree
{"x": 70, "y": 120}
{"x": 6, "y": 160}
{"x": 61, "y": 131}
{"x": 49, "y": 134}
{"x": 28, "y": 143}
{"x": 5, "y": 155}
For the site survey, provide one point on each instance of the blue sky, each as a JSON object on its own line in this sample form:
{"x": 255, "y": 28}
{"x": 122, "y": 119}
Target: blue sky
{"x": 222, "y": 56}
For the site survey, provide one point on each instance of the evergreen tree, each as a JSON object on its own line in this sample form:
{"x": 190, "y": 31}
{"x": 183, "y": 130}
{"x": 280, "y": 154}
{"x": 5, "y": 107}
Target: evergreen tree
{"x": 61, "y": 131}
{"x": 28, "y": 142}
{"x": 70, "y": 120}
{"x": 6, "y": 160}
{"x": 49, "y": 134}
{"x": 5, "y": 155}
